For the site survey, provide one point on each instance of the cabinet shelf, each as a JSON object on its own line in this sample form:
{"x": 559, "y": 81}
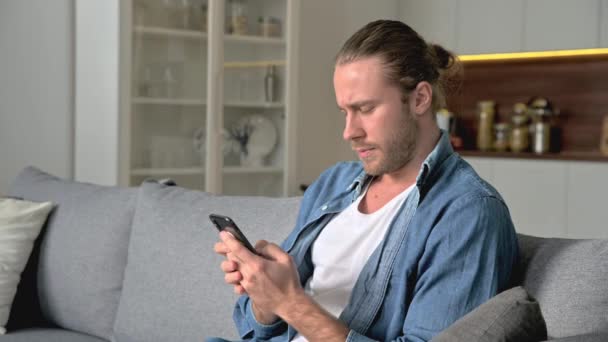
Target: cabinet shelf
{"x": 201, "y": 102}
{"x": 153, "y": 31}
{"x": 182, "y": 171}
{"x": 253, "y": 64}
{"x": 253, "y": 104}
{"x": 245, "y": 169}
{"x": 595, "y": 156}
{"x": 250, "y": 39}
{"x": 168, "y": 101}
{"x": 191, "y": 171}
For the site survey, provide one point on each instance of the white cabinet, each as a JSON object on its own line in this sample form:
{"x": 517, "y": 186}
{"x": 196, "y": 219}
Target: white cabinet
{"x": 561, "y": 24}
{"x": 434, "y": 20}
{"x": 484, "y": 168}
{"x": 535, "y": 192}
{"x": 489, "y": 26}
{"x": 206, "y": 93}
{"x": 211, "y": 99}
{"x": 587, "y": 209}
{"x": 551, "y": 198}
{"x": 604, "y": 24}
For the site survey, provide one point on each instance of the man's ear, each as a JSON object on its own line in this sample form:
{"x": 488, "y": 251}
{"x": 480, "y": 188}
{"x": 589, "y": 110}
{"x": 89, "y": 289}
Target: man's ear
{"x": 421, "y": 98}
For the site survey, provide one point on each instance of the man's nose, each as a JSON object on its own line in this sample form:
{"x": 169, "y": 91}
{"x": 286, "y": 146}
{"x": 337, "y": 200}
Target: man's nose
{"x": 352, "y": 128}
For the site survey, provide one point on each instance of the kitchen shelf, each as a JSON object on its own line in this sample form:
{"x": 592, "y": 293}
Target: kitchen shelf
{"x": 168, "y": 101}
{"x": 200, "y": 102}
{"x": 186, "y": 171}
{"x": 256, "y": 64}
{"x": 594, "y": 156}
{"x": 250, "y": 39}
{"x": 249, "y": 170}
{"x": 253, "y": 104}
{"x": 169, "y": 32}
{"x": 193, "y": 34}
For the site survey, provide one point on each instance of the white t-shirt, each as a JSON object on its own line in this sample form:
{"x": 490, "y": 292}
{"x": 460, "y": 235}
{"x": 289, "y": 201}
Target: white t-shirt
{"x": 342, "y": 249}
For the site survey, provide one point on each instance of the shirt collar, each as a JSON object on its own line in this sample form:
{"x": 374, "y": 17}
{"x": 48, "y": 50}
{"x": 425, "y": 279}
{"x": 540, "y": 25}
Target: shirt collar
{"x": 442, "y": 150}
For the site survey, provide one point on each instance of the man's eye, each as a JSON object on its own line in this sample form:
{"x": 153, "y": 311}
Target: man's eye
{"x": 366, "y": 109}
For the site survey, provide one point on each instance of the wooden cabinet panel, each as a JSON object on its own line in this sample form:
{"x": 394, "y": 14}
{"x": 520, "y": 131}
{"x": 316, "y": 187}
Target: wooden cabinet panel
{"x": 561, "y": 24}
{"x": 535, "y": 192}
{"x": 488, "y": 26}
{"x": 587, "y": 200}
{"x": 435, "y": 20}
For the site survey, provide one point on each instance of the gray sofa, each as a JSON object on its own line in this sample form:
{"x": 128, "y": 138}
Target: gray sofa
{"x": 137, "y": 264}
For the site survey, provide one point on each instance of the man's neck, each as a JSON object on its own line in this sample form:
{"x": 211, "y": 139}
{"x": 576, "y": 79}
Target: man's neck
{"x": 405, "y": 176}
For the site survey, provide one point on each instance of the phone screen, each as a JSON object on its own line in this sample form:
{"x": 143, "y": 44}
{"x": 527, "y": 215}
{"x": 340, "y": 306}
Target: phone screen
{"x": 226, "y": 223}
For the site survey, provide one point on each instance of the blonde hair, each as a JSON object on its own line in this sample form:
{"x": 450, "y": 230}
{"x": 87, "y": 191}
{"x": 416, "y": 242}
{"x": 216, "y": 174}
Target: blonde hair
{"x": 408, "y": 59}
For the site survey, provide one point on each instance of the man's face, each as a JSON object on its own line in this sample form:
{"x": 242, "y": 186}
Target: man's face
{"x": 379, "y": 126}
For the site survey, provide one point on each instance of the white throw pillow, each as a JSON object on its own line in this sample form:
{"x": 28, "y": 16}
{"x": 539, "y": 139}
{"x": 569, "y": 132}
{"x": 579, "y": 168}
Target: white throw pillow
{"x": 20, "y": 224}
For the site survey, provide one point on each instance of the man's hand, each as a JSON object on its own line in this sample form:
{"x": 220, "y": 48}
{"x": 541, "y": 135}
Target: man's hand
{"x": 271, "y": 280}
{"x": 264, "y": 279}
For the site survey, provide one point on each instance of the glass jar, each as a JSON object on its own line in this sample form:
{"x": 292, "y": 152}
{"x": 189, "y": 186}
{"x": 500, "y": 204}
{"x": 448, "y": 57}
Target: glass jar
{"x": 501, "y": 136}
{"x": 485, "y": 125}
{"x": 269, "y": 27}
{"x": 238, "y": 17}
{"x": 518, "y": 140}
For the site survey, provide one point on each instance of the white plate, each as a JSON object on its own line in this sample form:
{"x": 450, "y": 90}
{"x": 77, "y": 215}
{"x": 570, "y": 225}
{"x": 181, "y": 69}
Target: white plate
{"x": 262, "y": 139}
{"x": 199, "y": 142}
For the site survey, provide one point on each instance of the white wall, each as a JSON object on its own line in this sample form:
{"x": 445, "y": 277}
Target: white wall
{"x": 324, "y": 27}
{"x": 97, "y": 91}
{"x": 36, "y": 87}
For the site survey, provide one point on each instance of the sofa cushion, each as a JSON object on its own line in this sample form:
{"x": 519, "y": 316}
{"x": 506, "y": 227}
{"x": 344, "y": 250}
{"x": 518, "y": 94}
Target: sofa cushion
{"x": 174, "y": 289}
{"x": 47, "y": 335}
{"x": 83, "y": 251}
{"x": 569, "y": 278}
{"x": 583, "y": 338}
{"x": 20, "y": 224}
{"x": 510, "y": 316}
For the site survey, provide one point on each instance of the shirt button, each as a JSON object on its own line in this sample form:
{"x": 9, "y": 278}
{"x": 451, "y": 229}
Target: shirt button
{"x": 324, "y": 207}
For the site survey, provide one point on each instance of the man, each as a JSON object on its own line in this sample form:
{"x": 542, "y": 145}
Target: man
{"x": 396, "y": 246}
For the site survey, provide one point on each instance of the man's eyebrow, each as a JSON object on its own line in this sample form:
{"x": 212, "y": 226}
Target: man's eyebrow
{"x": 359, "y": 104}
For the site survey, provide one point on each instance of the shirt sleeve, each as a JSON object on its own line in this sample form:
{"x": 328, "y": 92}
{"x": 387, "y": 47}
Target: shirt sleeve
{"x": 467, "y": 260}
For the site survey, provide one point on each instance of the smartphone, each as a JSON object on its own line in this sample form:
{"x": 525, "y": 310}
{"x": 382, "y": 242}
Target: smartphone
{"x": 226, "y": 223}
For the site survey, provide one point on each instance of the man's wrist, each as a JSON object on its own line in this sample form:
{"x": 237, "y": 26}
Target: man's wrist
{"x": 311, "y": 320}
{"x": 262, "y": 317}
{"x": 290, "y": 306}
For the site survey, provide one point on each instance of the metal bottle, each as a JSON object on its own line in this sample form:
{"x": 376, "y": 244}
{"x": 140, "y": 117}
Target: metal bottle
{"x": 270, "y": 84}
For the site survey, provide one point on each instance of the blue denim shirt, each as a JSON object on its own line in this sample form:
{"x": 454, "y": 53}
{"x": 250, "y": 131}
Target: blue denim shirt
{"x": 450, "y": 248}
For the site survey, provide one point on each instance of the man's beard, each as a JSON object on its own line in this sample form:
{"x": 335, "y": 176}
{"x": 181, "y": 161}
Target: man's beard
{"x": 399, "y": 150}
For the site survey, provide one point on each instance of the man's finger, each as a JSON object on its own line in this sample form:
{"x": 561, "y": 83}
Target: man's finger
{"x": 233, "y": 278}
{"x": 240, "y": 252}
{"x": 273, "y": 252}
{"x": 260, "y": 244}
{"x": 238, "y": 289}
{"x": 229, "y": 266}
{"x": 221, "y": 248}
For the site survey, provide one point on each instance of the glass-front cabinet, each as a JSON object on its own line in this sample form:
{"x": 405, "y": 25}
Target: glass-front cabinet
{"x": 212, "y": 95}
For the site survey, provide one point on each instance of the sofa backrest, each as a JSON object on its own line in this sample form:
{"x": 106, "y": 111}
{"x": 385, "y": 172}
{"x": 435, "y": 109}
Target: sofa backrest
{"x": 82, "y": 251}
{"x": 174, "y": 289}
{"x": 569, "y": 279}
